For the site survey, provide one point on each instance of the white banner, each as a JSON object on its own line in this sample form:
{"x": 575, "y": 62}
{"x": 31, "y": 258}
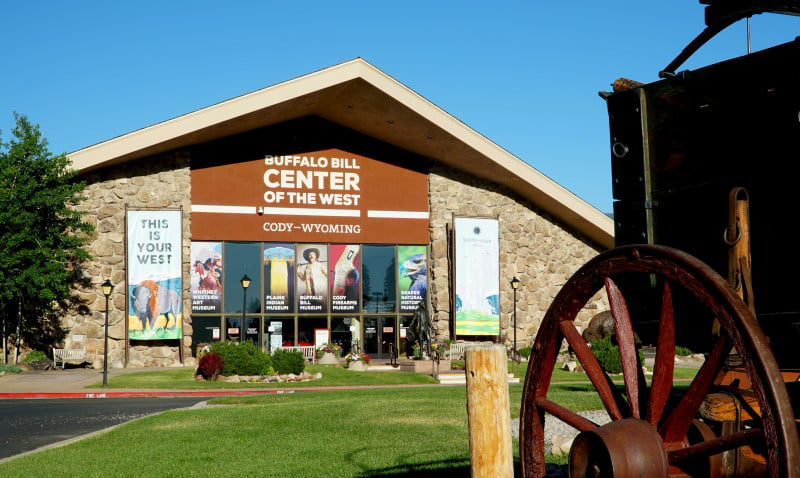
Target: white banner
{"x": 477, "y": 253}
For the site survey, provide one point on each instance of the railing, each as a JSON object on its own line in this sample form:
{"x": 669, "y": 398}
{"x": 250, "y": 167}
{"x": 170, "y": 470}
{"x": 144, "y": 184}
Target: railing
{"x": 456, "y": 351}
{"x": 309, "y": 351}
{"x": 392, "y": 355}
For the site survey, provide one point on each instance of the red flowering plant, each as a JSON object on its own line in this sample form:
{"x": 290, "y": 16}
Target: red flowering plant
{"x": 210, "y": 366}
{"x": 329, "y": 349}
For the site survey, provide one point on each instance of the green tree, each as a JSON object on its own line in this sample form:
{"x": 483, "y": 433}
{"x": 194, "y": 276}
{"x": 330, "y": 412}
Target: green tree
{"x": 42, "y": 238}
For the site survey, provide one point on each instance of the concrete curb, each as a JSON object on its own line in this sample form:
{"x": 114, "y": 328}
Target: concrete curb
{"x": 198, "y": 393}
{"x": 212, "y": 393}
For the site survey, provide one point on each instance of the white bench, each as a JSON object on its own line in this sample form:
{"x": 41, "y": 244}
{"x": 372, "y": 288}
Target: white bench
{"x": 456, "y": 351}
{"x": 309, "y": 352}
{"x": 64, "y": 355}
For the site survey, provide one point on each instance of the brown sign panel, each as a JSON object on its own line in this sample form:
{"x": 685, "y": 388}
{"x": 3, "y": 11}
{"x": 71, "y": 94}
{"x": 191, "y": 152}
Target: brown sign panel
{"x": 327, "y": 195}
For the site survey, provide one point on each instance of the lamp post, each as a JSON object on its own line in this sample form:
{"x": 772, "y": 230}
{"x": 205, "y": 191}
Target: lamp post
{"x": 515, "y": 286}
{"x": 245, "y": 284}
{"x": 107, "y": 287}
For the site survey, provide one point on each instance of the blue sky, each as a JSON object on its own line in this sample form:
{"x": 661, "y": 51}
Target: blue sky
{"x": 523, "y": 74}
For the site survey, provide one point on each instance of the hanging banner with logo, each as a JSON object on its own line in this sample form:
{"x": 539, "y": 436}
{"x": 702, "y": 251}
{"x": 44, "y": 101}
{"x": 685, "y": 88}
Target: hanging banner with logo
{"x": 312, "y": 278}
{"x": 278, "y": 277}
{"x": 345, "y": 278}
{"x": 154, "y": 274}
{"x": 206, "y": 277}
{"x": 412, "y": 276}
{"x": 477, "y": 266}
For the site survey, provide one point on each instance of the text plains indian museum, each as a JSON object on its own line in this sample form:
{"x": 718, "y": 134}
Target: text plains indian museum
{"x": 345, "y": 200}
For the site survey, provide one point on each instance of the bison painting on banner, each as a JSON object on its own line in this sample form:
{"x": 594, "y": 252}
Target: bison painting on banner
{"x": 154, "y": 240}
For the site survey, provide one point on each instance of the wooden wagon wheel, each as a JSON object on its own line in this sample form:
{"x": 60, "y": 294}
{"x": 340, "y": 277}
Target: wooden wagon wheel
{"x": 644, "y": 438}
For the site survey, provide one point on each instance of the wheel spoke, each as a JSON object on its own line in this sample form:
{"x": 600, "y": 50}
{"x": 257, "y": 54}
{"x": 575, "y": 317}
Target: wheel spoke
{"x": 677, "y": 423}
{"x": 565, "y": 415}
{"x": 626, "y": 342}
{"x": 664, "y": 365}
{"x": 598, "y": 378}
{"x": 717, "y": 445}
{"x": 702, "y": 292}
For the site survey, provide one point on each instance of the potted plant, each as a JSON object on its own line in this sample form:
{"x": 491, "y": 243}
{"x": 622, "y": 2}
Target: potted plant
{"x": 356, "y": 361}
{"x": 440, "y": 348}
{"x": 328, "y": 354}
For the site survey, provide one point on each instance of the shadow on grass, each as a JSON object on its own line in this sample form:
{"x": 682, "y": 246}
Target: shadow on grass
{"x": 411, "y": 464}
{"x": 449, "y": 467}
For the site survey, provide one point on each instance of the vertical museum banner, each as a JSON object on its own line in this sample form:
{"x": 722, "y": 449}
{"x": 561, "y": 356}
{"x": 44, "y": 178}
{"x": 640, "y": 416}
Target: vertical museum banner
{"x": 412, "y": 276}
{"x": 312, "y": 278}
{"x": 345, "y": 278}
{"x": 279, "y": 277}
{"x": 154, "y": 274}
{"x": 206, "y": 277}
{"x": 477, "y": 267}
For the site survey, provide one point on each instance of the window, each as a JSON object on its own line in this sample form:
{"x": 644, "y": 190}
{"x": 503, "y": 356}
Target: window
{"x": 241, "y": 259}
{"x": 379, "y": 279}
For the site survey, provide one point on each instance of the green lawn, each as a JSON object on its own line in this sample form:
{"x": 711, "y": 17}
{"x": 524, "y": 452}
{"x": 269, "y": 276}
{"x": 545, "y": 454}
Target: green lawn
{"x": 331, "y": 377}
{"x": 520, "y": 371}
{"x": 368, "y": 432}
{"x": 363, "y": 433}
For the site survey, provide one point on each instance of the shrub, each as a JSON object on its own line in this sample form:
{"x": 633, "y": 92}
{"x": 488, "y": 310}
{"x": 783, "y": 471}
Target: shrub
{"x": 36, "y": 356}
{"x": 9, "y": 369}
{"x": 210, "y": 366}
{"x": 242, "y": 358}
{"x": 524, "y": 352}
{"x": 608, "y": 355}
{"x": 288, "y": 361}
{"x": 682, "y": 351}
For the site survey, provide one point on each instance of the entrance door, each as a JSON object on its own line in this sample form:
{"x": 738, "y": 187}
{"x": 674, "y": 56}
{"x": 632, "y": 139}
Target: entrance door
{"x": 380, "y": 335}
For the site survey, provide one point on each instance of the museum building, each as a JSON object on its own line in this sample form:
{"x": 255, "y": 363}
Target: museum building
{"x": 325, "y": 209}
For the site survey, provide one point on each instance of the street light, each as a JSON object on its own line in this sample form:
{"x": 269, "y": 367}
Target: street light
{"x": 245, "y": 284}
{"x": 515, "y": 286}
{"x": 107, "y": 287}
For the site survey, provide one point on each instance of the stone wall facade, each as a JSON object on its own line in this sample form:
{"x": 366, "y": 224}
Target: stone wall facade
{"x": 534, "y": 247}
{"x": 540, "y": 251}
{"x": 157, "y": 182}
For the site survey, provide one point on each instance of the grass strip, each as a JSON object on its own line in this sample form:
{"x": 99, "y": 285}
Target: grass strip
{"x": 397, "y": 432}
{"x": 331, "y": 377}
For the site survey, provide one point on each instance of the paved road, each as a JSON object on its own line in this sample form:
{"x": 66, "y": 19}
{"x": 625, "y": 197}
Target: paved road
{"x": 29, "y": 424}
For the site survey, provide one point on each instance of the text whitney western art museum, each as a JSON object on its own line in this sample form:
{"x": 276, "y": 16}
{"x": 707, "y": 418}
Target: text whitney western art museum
{"x": 344, "y": 200}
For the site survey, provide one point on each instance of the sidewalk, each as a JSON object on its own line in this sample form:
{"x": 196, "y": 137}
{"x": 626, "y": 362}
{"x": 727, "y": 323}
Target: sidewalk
{"x": 72, "y": 383}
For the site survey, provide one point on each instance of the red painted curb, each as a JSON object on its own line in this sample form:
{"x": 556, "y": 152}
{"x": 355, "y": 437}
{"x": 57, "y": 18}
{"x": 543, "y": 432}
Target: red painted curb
{"x": 215, "y": 393}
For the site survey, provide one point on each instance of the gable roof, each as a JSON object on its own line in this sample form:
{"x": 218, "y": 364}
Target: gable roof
{"x": 358, "y": 96}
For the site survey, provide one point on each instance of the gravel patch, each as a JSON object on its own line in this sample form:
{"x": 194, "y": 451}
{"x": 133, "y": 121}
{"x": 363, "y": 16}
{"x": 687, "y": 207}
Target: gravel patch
{"x": 563, "y": 433}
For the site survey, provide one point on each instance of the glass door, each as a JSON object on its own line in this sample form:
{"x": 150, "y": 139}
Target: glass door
{"x": 380, "y": 336}
{"x": 371, "y": 337}
{"x": 388, "y": 332}
{"x": 342, "y": 333}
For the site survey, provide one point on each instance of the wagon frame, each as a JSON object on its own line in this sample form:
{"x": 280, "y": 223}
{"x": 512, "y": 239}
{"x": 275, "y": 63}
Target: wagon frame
{"x": 696, "y": 168}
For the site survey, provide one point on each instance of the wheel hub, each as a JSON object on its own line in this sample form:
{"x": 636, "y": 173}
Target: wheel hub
{"x": 622, "y": 448}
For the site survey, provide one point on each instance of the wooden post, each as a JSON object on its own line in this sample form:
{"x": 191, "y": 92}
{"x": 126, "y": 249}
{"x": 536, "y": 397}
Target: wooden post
{"x": 488, "y": 411}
